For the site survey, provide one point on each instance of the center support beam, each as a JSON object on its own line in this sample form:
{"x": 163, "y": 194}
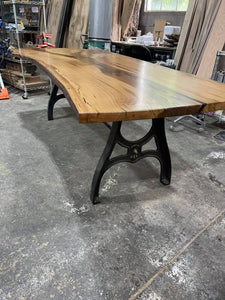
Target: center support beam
{"x": 134, "y": 153}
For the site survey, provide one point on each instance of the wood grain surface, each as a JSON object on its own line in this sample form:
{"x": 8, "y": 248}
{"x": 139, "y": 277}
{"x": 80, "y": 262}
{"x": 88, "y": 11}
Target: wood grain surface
{"x": 128, "y": 9}
{"x": 202, "y": 36}
{"x": 53, "y": 11}
{"x": 116, "y": 20}
{"x": 104, "y": 87}
{"x": 77, "y": 23}
{"x": 216, "y": 42}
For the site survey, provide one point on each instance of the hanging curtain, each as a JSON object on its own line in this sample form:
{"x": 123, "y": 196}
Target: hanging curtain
{"x": 195, "y": 34}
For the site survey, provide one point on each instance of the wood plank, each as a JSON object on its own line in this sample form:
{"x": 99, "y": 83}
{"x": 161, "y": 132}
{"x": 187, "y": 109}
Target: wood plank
{"x": 184, "y": 33}
{"x": 215, "y": 43}
{"x": 33, "y": 84}
{"x": 203, "y": 33}
{"x": 53, "y": 10}
{"x": 104, "y": 87}
{"x": 19, "y": 74}
{"x": 116, "y": 20}
{"x": 194, "y": 36}
{"x": 197, "y": 36}
{"x": 159, "y": 29}
{"x": 78, "y": 24}
{"x": 134, "y": 22}
{"x": 128, "y": 8}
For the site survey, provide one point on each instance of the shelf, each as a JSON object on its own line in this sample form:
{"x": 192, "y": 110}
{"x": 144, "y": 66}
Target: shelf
{"x": 16, "y": 60}
{"x": 25, "y": 83}
{"x": 34, "y": 88}
{"x": 19, "y": 74}
{"x": 32, "y": 3}
{"x": 23, "y": 31}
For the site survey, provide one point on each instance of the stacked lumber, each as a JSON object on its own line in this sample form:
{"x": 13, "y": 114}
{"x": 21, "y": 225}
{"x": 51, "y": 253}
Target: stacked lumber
{"x": 215, "y": 43}
{"x": 201, "y": 37}
{"x": 125, "y": 20}
{"x": 171, "y": 40}
{"x": 77, "y": 24}
{"x": 13, "y": 75}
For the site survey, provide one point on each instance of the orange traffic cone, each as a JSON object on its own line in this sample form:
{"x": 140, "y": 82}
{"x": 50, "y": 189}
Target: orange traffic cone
{"x": 3, "y": 91}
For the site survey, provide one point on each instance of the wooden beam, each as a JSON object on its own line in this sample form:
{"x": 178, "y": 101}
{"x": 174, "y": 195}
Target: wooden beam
{"x": 215, "y": 43}
{"x": 53, "y": 11}
{"x": 116, "y": 20}
{"x": 128, "y": 8}
{"x": 184, "y": 33}
{"x": 134, "y": 22}
{"x": 78, "y": 24}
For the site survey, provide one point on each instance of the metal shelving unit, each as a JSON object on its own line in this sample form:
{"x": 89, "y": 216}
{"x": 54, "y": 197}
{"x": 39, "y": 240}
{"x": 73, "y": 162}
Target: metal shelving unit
{"x": 15, "y": 4}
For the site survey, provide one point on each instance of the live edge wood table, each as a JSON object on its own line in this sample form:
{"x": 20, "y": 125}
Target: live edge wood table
{"x": 107, "y": 87}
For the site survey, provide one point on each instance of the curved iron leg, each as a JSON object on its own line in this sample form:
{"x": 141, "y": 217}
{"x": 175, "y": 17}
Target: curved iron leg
{"x": 134, "y": 153}
{"x": 103, "y": 162}
{"x": 158, "y": 126}
{"x": 52, "y": 101}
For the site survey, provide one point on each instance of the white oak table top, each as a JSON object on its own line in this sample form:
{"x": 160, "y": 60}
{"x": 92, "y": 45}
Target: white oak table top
{"x": 107, "y": 87}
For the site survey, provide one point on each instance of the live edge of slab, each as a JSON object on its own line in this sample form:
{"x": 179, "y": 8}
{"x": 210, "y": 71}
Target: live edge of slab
{"x": 105, "y": 87}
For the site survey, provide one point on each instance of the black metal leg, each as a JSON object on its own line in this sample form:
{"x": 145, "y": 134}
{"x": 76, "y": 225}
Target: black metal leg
{"x": 52, "y": 101}
{"x": 134, "y": 153}
{"x": 163, "y": 150}
{"x": 104, "y": 162}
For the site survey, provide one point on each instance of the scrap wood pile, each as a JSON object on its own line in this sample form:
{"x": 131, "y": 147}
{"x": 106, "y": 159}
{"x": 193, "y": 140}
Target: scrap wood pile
{"x": 13, "y": 75}
{"x": 171, "y": 40}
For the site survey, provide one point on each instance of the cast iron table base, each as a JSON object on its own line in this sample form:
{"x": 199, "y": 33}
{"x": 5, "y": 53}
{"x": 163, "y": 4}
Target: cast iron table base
{"x": 134, "y": 148}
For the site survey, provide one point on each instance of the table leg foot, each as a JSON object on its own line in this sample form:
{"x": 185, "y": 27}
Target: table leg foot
{"x": 165, "y": 181}
{"x": 52, "y": 101}
{"x": 134, "y": 153}
{"x": 96, "y": 200}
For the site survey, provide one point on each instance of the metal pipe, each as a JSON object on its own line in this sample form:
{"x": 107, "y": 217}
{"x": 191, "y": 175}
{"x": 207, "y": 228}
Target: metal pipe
{"x": 44, "y": 17}
{"x": 18, "y": 43}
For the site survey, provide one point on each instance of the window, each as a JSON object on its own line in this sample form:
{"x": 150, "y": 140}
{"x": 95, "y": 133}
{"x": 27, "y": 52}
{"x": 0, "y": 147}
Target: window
{"x": 177, "y": 5}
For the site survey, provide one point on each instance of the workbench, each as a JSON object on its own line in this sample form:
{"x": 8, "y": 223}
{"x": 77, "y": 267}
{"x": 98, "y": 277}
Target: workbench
{"x": 106, "y": 87}
{"x": 159, "y": 53}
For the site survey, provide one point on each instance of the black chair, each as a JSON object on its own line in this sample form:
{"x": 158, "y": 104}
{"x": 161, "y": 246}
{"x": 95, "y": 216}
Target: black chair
{"x": 139, "y": 52}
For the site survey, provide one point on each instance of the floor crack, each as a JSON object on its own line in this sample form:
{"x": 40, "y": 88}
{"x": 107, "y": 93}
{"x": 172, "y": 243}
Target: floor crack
{"x": 164, "y": 268}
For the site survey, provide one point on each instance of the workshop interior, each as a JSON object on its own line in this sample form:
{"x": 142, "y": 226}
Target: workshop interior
{"x": 112, "y": 149}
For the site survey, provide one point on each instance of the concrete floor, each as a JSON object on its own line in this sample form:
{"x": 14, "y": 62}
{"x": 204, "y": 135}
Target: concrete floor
{"x": 144, "y": 241}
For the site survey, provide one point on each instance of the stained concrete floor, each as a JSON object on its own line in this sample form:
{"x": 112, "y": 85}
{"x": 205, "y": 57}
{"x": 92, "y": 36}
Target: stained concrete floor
{"x": 144, "y": 241}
